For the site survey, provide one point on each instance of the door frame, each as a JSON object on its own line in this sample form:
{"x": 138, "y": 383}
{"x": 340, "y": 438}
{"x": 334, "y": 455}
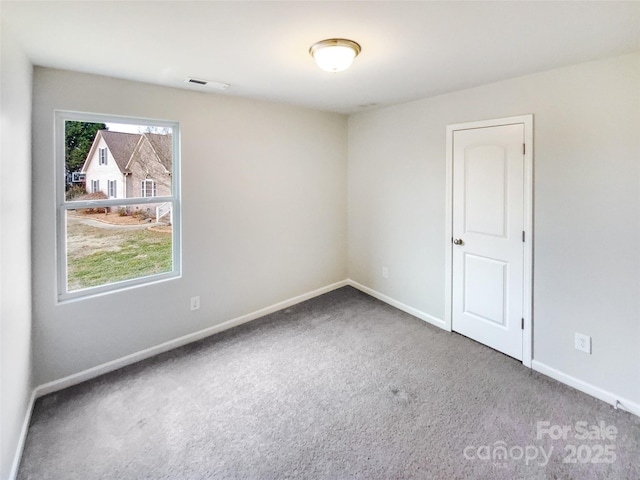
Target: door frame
{"x": 527, "y": 307}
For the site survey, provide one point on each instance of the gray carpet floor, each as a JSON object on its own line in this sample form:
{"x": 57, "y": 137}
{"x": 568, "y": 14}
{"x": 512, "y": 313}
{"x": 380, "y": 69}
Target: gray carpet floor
{"x": 341, "y": 386}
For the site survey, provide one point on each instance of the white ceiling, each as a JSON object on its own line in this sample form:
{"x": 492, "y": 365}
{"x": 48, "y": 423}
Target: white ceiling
{"x": 410, "y": 50}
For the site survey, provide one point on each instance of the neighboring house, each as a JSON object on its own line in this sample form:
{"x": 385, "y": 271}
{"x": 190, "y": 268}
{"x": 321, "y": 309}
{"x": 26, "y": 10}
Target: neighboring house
{"x": 128, "y": 165}
{"x": 77, "y": 177}
{"x": 74, "y": 178}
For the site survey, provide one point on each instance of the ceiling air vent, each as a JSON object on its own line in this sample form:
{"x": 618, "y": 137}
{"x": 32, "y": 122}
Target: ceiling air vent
{"x": 206, "y": 83}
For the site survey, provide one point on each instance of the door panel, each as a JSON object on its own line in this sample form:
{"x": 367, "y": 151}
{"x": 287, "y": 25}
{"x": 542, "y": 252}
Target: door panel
{"x": 488, "y": 220}
{"x": 485, "y": 169}
{"x": 485, "y": 281}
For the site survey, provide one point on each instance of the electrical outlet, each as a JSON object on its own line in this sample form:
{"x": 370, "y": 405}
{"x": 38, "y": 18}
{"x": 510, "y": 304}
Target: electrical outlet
{"x": 583, "y": 343}
{"x": 195, "y": 303}
{"x": 385, "y": 272}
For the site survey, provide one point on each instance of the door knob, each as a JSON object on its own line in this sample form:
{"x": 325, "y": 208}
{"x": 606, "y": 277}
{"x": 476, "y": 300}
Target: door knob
{"x": 458, "y": 241}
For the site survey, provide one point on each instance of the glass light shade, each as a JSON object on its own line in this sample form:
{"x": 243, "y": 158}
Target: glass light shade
{"x": 334, "y": 54}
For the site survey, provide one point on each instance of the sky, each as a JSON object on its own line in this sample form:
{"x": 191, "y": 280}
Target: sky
{"x": 124, "y": 127}
{"x": 136, "y": 128}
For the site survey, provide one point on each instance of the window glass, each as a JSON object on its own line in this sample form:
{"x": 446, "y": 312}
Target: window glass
{"x": 118, "y": 203}
{"x": 148, "y": 188}
{"x": 139, "y": 153}
{"x": 106, "y": 245}
{"x": 103, "y": 156}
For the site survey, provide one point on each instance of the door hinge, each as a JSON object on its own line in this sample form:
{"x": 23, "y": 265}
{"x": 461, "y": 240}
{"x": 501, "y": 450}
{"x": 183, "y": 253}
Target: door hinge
{"x": 524, "y": 149}
{"x": 522, "y": 324}
{"x": 523, "y": 236}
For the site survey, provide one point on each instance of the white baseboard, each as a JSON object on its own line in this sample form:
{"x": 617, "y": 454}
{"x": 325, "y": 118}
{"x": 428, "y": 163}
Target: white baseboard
{"x": 399, "y": 305}
{"x": 587, "y": 388}
{"x": 23, "y": 438}
{"x": 98, "y": 370}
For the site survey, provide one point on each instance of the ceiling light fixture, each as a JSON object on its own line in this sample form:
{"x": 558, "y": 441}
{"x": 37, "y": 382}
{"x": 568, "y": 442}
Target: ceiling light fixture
{"x": 334, "y": 54}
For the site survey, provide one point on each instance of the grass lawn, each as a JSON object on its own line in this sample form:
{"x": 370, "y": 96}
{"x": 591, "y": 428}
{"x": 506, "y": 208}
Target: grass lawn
{"x": 98, "y": 256}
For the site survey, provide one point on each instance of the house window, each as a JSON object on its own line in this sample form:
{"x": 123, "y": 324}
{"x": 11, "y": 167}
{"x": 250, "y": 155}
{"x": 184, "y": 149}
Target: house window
{"x": 148, "y": 188}
{"x": 103, "y": 156}
{"x": 97, "y": 250}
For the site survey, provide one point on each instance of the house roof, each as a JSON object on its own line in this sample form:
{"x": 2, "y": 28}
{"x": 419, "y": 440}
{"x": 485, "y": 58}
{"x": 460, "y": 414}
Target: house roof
{"x": 121, "y": 145}
{"x": 162, "y": 146}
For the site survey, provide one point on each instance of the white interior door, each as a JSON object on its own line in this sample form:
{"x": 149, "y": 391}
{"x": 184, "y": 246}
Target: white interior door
{"x": 487, "y": 236}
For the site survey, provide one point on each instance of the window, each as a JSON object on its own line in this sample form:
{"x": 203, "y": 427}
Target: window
{"x": 98, "y": 251}
{"x": 103, "y": 156}
{"x": 148, "y": 188}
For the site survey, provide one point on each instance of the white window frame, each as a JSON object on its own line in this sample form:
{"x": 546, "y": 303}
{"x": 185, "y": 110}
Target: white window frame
{"x": 102, "y": 156}
{"x": 112, "y": 188}
{"x": 62, "y": 206}
{"x": 95, "y": 186}
{"x": 143, "y": 188}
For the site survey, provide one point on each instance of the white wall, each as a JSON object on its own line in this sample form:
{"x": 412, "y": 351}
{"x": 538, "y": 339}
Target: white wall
{"x": 264, "y": 217}
{"x": 587, "y": 208}
{"x": 104, "y": 173}
{"x": 15, "y": 247}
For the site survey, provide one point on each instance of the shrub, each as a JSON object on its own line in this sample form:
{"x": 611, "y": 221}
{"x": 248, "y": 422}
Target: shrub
{"x": 93, "y": 196}
{"x": 142, "y": 214}
{"x": 74, "y": 192}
